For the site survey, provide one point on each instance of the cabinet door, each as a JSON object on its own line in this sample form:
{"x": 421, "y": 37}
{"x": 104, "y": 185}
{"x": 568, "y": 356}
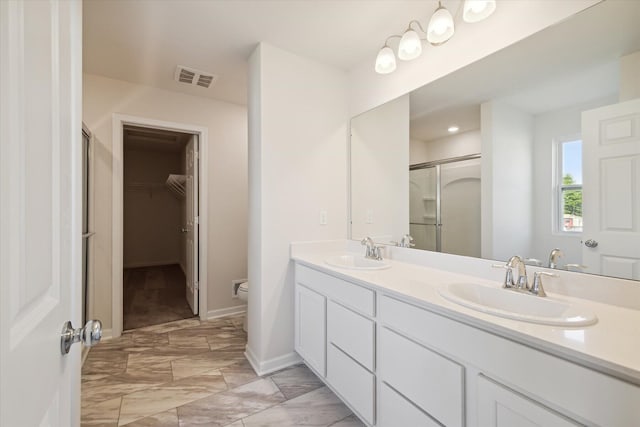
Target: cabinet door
{"x": 311, "y": 328}
{"x": 499, "y": 406}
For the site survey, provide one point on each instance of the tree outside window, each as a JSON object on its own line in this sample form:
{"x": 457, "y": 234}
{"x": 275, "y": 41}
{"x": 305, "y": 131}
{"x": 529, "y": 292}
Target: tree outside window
{"x": 570, "y": 194}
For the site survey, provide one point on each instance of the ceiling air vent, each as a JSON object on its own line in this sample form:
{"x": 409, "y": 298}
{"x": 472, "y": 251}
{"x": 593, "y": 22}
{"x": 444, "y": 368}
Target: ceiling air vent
{"x": 194, "y": 77}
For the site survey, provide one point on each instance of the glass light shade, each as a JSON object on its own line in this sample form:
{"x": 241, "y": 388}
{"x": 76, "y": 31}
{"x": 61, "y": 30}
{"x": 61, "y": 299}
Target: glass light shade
{"x": 440, "y": 27}
{"x": 385, "y": 61}
{"x": 410, "y": 46}
{"x": 477, "y": 10}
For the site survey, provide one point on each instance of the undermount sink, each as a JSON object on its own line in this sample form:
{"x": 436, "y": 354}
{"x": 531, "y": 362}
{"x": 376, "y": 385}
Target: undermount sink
{"x": 356, "y": 262}
{"x": 519, "y": 306}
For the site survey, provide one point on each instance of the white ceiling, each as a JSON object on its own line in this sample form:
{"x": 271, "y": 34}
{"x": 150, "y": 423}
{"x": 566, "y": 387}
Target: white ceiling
{"x": 570, "y": 63}
{"x": 142, "y": 41}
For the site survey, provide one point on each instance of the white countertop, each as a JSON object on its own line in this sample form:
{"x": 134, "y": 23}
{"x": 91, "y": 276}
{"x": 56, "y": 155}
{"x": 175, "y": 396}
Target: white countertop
{"x": 611, "y": 346}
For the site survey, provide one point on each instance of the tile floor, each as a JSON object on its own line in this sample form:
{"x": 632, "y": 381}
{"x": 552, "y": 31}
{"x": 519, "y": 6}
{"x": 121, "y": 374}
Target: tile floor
{"x": 154, "y": 295}
{"x": 192, "y": 373}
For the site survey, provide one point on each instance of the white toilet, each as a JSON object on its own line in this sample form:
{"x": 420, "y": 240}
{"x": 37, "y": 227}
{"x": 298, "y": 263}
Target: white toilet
{"x": 243, "y": 294}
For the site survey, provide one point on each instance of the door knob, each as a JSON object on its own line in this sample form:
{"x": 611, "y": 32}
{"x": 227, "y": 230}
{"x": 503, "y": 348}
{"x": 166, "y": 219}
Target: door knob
{"x": 591, "y": 243}
{"x": 183, "y": 230}
{"x": 90, "y": 335}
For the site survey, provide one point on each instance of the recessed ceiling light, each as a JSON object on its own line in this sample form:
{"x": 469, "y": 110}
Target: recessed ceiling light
{"x": 453, "y": 129}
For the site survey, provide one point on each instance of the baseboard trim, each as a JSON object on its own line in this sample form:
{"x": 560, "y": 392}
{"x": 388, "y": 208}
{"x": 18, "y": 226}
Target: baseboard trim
{"x": 150, "y": 264}
{"x": 222, "y": 312}
{"x": 107, "y": 334}
{"x": 272, "y": 365}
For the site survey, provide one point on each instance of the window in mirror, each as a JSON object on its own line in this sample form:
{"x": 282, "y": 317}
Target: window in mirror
{"x": 569, "y": 179}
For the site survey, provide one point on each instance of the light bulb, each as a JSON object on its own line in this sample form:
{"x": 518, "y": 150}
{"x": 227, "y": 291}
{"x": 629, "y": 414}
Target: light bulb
{"x": 385, "y": 61}
{"x": 440, "y": 27}
{"x": 453, "y": 129}
{"x": 410, "y": 46}
{"x": 477, "y": 10}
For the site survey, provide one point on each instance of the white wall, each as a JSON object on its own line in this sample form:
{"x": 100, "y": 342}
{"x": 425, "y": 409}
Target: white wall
{"x": 459, "y": 144}
{"x": 298, "y": 123}
{"x": 630, "y": 77}
{"x": 380, "y": 172}
{"x": 549, "y": 127}
{"x": 506, "y": 182}
{"x": 227, "y": 130}
{"x": 152, "y": 214}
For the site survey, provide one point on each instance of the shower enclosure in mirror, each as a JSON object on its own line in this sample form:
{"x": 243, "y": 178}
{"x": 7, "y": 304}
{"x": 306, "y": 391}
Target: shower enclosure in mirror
{"x": 522, "y": 109}
{"x": 444, "y": 205}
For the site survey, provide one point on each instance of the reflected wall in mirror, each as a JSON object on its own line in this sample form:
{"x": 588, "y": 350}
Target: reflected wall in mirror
{"x": 546, "y": 153}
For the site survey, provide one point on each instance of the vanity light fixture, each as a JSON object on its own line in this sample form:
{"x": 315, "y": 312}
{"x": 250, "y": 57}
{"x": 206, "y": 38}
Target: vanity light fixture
{"x": 453, "y": 129}
{"x": 410, "y": 46}
{"x": 386, "y": 60}
{"x": 440, "y": 29}
{"x": 477, "y": 10}
{"x": 441, "y": 26}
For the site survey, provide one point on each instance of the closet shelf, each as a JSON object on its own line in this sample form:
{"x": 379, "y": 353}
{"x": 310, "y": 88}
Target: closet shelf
{"x": 177, "y": 185}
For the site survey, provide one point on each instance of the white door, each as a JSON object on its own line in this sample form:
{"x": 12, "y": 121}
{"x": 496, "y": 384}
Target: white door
{"x": 192, "y": 223}
{"x": 611, "y": 190}
{"x": 40, "y": 210}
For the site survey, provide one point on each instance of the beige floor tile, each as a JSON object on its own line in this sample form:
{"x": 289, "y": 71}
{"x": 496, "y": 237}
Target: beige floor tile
{"x": 224, "y": 408}
{"x": 296, "y": 381}
{"x": 163, "y": 419}
{"x": 317, "y": 408}
{"x": 167, "y": 396}
{"x": 188, "y": 366}
{"x": 101, "y": 414}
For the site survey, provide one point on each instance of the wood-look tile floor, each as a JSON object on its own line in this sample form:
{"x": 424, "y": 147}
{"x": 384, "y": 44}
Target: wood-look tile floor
{"x": 154, "y": 295}
{"x": 190, "y": 373}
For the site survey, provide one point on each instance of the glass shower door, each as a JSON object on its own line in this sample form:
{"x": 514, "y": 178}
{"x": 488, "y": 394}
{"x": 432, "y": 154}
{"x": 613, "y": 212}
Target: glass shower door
{"x": 423, "y": 207}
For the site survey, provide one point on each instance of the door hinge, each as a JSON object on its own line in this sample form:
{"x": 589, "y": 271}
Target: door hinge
{"x": 196, "y": 285}
{"x": 196, "y": 220}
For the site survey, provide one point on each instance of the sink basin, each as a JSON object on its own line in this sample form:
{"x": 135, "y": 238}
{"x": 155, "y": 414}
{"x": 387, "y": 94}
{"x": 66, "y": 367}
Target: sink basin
{"x": 356, "y": 262}
{"x": 518, "y": 306}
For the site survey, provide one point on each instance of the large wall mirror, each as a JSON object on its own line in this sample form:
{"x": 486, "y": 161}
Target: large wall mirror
{"x": 531, "y": 149}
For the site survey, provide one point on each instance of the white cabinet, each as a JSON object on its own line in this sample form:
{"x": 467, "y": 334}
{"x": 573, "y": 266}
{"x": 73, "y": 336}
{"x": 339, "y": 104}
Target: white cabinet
{"x": 352, "y": 382}
{"x": 499, "y": 406}
{"x": 395, "y": 410}
{"x": 396, "y": 362}
{"x": 430, "y": 381}
{"x": 310, "y": 327}
{"x": 352, "y": 333}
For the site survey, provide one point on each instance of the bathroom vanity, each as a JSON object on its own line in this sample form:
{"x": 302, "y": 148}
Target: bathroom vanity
{"x": 399, "y": 354}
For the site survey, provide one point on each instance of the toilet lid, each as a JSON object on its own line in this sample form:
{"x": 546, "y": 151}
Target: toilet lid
{"x": 244, "y": 287}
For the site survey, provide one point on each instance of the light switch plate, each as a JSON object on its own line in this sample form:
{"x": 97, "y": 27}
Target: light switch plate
{"x": 323, "y": 217}
{"x": 369, "y": 219}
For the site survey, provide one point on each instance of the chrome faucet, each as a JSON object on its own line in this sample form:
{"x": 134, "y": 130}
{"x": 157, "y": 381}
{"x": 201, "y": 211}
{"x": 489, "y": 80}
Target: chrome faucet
{"x": 553, "y": 257}
{"x": 521, "y": 282}
{"x": 536, "y": 287}
{"x": 405, "y": 242}
{"x": 372, "y": 251}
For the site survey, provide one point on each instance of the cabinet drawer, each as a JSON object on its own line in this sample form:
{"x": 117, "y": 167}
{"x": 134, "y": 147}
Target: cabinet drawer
{"x": 433, "y": 383}
{"x": 499, "y": 406}
{"x": 351, "y": 295}
{"x": 394, "y": 410}
{"x": 352, "y": 333}
{"x": 352, "y": 382}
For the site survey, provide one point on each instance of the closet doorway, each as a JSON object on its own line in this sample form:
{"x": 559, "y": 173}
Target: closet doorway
{"x": 157, "y": 221}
